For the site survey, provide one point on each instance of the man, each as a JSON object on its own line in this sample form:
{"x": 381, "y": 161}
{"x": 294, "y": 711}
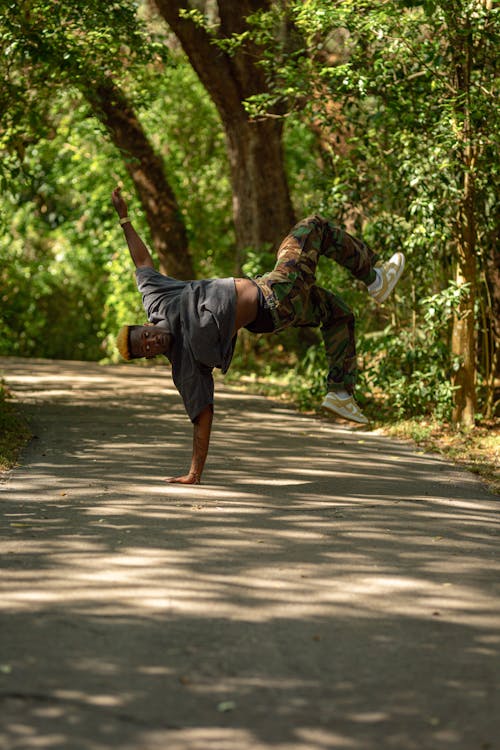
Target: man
{"x": 195, "y": 323}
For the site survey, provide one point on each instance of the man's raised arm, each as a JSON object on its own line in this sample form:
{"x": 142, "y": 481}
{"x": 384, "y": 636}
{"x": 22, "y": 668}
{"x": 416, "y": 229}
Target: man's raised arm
{"x": 138, "y": 250}
{"x": 201, "y": 438}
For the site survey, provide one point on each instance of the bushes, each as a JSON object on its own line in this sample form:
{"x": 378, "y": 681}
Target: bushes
{"x": 14, "y": 432}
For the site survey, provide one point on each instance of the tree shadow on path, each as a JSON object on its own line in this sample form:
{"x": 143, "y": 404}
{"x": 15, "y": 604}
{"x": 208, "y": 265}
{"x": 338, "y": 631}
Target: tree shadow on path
{"x": 325, "y": 588}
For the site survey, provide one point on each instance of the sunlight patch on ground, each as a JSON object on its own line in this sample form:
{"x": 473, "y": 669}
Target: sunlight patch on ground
{"x": 143, "y": 580}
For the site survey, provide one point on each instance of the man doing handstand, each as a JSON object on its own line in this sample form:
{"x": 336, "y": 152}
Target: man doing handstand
{"x": 195, "y": 323}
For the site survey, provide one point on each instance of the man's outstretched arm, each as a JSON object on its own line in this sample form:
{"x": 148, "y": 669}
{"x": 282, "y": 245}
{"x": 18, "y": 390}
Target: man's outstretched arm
{"x": 202, "y": 427}
{"x": 138, "y": 250}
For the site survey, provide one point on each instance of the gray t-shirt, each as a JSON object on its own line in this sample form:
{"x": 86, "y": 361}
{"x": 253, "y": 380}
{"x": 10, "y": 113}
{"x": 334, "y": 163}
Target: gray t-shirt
{"x": 200, "y": 316}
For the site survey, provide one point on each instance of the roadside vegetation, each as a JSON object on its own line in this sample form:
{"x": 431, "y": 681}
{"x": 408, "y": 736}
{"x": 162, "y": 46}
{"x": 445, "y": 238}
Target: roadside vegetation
{"x": 14, "y": 431}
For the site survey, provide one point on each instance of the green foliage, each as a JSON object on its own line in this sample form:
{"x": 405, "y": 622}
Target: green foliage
{"x": 46, "y": 43}
{"x": 54, "y": 285}
{"x": 376, "y": 134}
{"x": 398, "y": 364}
{"x": 308, "y": 378}
{"x": 14, "y": 432}
{"x": 406, "y": 380}
{"x": 185, "y": 128}
{"x": 258, "y": 263}
{"x": 67, "y": 279}
{"x": 400, "y": 135}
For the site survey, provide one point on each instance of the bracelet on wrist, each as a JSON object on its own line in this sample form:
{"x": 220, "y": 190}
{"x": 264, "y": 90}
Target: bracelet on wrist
{"x": 125, "y": 220}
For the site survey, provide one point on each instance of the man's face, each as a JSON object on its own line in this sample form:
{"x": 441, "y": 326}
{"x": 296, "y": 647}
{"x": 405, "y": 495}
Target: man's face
{"x": 149, "y": 341}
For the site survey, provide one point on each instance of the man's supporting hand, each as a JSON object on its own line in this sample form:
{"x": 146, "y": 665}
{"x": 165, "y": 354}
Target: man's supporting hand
{"x": 201, "y": 439}
{"x": 186, "y": 479}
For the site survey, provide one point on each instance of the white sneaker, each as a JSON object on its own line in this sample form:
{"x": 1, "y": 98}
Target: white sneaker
{"x": 345, "y": 406}
{"x": 388, "y": 275}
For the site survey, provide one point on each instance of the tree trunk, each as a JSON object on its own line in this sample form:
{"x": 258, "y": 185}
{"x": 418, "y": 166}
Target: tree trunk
{"x": 464, "y": 349}
{"x": 492, "y": 324}
{"x": 145, "y": 167}
{"x": 262, "y": 211}
{"x": 262, "y": 208}
{"x": 464, "y": 339}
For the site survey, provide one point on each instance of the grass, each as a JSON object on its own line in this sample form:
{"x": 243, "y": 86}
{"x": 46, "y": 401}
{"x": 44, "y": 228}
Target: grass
{"x": 14, "y": 432}
{"x": 476, "y": 449}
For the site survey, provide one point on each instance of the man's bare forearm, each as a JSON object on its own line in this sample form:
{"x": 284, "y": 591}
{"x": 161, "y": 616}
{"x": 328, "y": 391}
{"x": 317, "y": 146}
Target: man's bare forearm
{"x": 138, "y": 250}
{"x": 201, "y": 439}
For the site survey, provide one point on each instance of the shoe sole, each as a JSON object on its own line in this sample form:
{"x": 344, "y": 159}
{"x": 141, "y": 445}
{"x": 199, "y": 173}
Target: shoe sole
{"x": 345, "y": 414}
{"x": 392, "y": 283}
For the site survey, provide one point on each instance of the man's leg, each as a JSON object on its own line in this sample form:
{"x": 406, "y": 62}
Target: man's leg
{"x": 337, "y": 322}
{"x": 336, "y": 319}
{"x": 362, "y": 262}
{"x": 287, "y": 286}
{"x": 315, "y": 236}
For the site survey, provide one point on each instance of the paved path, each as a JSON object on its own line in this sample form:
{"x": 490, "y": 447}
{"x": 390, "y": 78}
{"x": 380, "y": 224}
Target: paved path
{"x": 325, "y": 588}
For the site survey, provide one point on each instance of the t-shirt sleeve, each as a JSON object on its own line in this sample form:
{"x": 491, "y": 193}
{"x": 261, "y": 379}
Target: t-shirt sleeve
{"x": 196, "y": 389}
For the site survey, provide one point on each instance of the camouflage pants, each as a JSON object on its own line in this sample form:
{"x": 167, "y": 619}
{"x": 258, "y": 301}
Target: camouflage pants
{"x": 294, "y": 299}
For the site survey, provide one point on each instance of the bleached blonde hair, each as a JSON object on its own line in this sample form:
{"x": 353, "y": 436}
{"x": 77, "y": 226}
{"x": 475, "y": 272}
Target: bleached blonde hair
{"x": 123, "y": 342}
